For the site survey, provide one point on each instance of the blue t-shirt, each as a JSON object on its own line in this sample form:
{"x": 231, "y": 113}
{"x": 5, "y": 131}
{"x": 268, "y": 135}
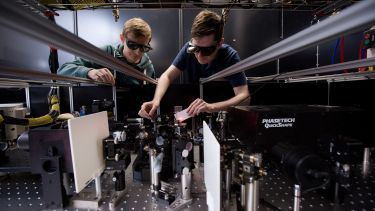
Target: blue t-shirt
{"x": 226, "y": 57}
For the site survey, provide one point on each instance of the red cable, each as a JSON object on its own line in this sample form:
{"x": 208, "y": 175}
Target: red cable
{"x": 342, "y": 51}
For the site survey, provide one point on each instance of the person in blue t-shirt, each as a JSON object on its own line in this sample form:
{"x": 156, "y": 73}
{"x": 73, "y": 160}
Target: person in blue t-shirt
{"x": 204, "y": 55}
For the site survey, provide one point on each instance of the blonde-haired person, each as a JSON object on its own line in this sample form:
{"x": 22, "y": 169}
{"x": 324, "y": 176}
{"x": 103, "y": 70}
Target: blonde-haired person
{"x": 135, "y": 42}
{"x": 204, "y": 55}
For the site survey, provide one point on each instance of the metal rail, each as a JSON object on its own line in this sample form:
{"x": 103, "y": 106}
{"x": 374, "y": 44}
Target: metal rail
{"x": 22, "y": 83}
{"x": 317, "y": 70}
{"x": 27, "y": 73}
{"x": 336, "y": 77}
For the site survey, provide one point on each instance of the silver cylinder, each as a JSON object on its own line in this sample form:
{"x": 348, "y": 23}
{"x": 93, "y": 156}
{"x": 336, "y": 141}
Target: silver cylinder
{"x": 297, "y": 197}
{"x": 98, "y": 187}
{"x": 234, "y": 165}
{"x": 228, "y": 183}
{"x": 71, "y": 99}
{"x": 186, "y": 185}
{"x": 256, "y": 195}
{"x": 222, "y": 132}
{"x": 258, "y": 159}
{"x": 156, "y": 179}
{"x": 114, "y": 98}
{"x": 366, "y": 161}
{"x": 66, "y": 183}
{"x": 154, "y": 176}
{"x": 27, "y": 95}
{"x": 250, "y": 192}
{"x": 243, "y": 197}
{"x": 152, "y": 164}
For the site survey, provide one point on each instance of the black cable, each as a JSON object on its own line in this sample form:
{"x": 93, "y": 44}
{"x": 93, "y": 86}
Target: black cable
{"x": 264, "y": 84}
{"x": 254, "y": 92}
{"x": 317, "y": 187}
{"x": 268, "y": 204}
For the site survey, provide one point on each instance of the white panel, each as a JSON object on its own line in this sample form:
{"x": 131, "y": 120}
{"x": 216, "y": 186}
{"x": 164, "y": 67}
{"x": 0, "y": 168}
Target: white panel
{"x": 212, "y": 177}
{"x": 86, "y": 136}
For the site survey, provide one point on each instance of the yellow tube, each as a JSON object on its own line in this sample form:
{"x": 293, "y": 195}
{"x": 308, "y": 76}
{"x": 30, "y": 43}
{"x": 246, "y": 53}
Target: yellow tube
{"x": 43, "y": 120}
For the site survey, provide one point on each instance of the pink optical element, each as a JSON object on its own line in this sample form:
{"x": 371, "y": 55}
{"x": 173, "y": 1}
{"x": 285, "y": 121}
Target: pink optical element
{"x": 182, "y": 115}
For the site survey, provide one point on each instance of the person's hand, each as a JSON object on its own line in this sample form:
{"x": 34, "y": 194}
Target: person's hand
{"x": 198, "y": 106}
{"x": 101, "y": 75}
{"x": 148, "y": 109}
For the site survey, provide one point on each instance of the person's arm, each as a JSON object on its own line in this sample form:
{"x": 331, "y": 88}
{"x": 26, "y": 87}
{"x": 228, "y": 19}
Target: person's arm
{"x": 238, "y": 82}
{"x": 148, "y": 109}
{"x": 86, "y": 69}
{"x": 242, "y": 96}
{"x": 165, "y": 80}
{"x": 76, "y": 68}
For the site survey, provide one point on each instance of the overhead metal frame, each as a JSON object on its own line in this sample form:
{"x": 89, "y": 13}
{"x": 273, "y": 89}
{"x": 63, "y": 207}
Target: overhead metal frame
{"x": 355, "y": 76}
{"x": 14, "y": 16}
{"x": 317, "y": 70}
{"x": 352, "y": 19}
{"x": 289, "y": 5}
{"x": 37, "y": 7}
{"x": 27, "y": 73}
{"x": 22, "y": 83}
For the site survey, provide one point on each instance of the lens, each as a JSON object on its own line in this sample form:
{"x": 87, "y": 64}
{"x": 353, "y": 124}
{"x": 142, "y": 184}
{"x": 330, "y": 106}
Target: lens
{"x": 207, "y": 51}
{"x": 191, "y": 49}
{"x": 146, "y": 48}
{"x": 134, "y": 46}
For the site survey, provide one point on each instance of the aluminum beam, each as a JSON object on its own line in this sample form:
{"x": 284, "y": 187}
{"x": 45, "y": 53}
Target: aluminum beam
{"x": 336, "y": 77}
{"x": 318, "y": 70}
{"x": 27, "y": 73}
{"x": 21, "y": 83}
{"x": 358, "y": 16}
{"x": 14, "y": 16}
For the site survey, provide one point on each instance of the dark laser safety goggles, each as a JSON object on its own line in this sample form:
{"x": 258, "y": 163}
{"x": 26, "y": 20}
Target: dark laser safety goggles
{"x": 134, "y": 46}
{"x": 205, "y": 51}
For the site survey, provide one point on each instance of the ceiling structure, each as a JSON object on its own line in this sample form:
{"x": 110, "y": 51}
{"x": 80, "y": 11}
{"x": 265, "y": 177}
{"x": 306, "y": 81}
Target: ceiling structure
{"x": 317, "y": 6}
